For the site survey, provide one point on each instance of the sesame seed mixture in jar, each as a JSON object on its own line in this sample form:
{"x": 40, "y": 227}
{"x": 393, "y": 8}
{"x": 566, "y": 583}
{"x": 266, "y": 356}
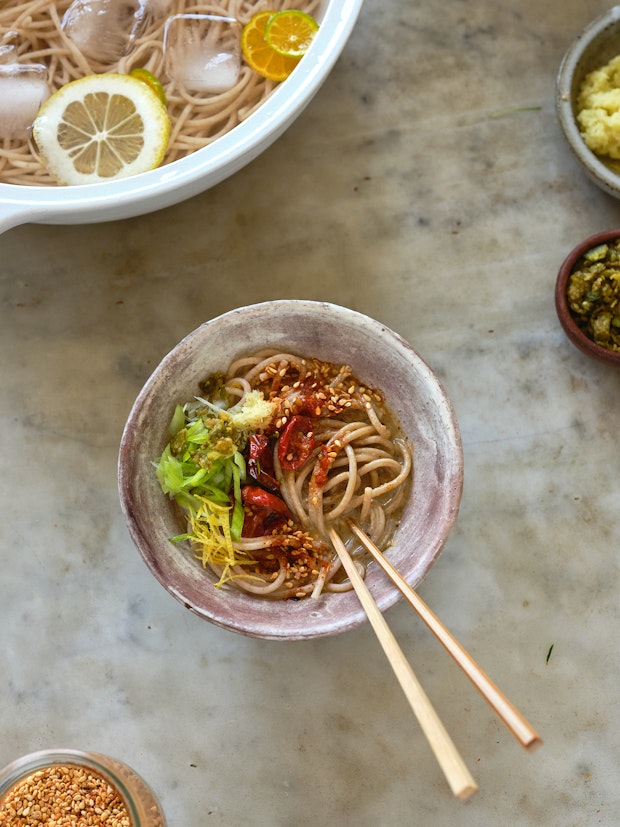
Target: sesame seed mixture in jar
{"x": 71, "y": 788}
{"x": 64, "y": 796}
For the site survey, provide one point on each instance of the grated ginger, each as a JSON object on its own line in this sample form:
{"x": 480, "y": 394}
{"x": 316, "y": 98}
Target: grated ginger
{"x": 255, "y": 413}
{"x": 598, "y": 105}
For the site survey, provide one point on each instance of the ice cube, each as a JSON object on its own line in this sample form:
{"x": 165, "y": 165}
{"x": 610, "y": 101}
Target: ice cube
{"x": 23, "y": 88}
{"x": 202, "y": 52}
{"x": 8, "y": 53}
{"x": 104, "y": 30}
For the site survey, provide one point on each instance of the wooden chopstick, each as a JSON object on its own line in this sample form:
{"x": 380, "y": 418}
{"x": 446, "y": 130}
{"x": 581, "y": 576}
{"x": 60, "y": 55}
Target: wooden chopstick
{"x": 457, "y": 775}
{"x": 513, "y": 719}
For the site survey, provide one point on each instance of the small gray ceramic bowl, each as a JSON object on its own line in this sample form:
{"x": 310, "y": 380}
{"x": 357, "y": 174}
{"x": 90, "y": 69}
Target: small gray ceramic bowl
{"x": 597, "y": 44}
{"x": 379, "y": 357}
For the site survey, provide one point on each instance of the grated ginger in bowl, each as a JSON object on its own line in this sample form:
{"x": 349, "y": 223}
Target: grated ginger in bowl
{"x": 598, "y": 107}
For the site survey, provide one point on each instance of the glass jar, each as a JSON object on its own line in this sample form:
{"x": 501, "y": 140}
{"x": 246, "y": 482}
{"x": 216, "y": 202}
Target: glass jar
{"x": 141, "y": 805}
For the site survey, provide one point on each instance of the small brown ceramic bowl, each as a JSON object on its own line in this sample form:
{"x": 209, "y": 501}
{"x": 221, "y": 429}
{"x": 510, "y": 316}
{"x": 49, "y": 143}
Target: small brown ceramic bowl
{"x": 571, "y": 328}
{"x": 593, "y": 47}
{"x": 379, "y": 357}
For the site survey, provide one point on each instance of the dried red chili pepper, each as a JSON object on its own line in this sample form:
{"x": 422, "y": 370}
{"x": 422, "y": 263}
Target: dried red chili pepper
{"x": 260, "y": 462}
{"x": 296, "y": 443}
{"x": 264, "y": 511}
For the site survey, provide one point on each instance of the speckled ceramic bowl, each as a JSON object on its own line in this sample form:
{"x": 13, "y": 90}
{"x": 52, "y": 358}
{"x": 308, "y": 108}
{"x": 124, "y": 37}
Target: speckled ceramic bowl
{"x": 571, "y": 328}
{"x": 379, "y": 357}
{"x": 595, "y": 46}
{"x": 201, "y": 170}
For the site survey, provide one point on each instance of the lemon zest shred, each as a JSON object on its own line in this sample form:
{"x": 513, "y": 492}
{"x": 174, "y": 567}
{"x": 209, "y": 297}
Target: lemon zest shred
{"x": 210, "y": 529}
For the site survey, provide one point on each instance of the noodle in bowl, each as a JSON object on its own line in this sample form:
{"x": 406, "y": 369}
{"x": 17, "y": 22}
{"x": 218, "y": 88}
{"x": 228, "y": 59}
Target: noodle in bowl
{"x": 379, "y": 359}
{"x": 211, "y": 140}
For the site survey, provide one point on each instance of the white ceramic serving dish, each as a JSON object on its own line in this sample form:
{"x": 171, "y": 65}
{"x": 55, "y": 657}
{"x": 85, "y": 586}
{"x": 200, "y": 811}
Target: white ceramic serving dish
{"x": 203, "y": 169}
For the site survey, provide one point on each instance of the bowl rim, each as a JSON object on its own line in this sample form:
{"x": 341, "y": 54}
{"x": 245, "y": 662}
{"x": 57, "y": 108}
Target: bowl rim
{"x": 445, "y": 514}
{"x": 186, "y": 176}
{"x": 593, "y": 166}
{"x": 571, "y": 328}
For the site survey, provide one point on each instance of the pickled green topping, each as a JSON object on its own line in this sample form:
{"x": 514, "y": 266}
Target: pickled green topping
{"x": 593, "y": 294}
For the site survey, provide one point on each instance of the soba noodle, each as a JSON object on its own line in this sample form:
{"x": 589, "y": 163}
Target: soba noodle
{"x": 342, "y": 459}
{"x": 33, "y": 28}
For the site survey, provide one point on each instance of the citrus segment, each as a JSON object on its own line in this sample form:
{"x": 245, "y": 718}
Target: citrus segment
{"x": 258, "y": 53}
{"x": 151, "y": 80}
{"x": 290, "y": 33}
{"x": 100, "y": 128}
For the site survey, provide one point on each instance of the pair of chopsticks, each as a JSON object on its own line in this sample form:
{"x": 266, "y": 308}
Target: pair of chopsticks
{"x": 457, "y": 775}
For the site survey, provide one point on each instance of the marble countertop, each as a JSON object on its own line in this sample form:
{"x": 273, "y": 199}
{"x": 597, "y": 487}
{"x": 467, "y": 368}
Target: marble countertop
{"x": 427, "y": 185}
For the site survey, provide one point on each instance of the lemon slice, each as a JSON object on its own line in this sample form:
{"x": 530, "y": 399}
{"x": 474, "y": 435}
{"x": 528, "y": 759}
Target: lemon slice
{"x": 100, "y": 128}
{"x": 291, "y": 32}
